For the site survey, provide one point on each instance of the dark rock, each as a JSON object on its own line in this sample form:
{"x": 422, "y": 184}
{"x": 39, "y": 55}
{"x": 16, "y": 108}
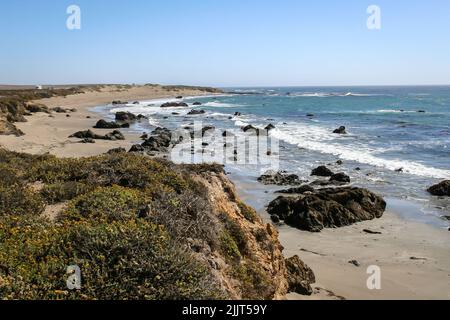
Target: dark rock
{"x": 357, "y": 169}
{"x": 197, "y": 103}
{"x": 87, "y": 140}
{"x": 103, "y": 124}
{"x": 322, "y": 171}
{"x": 175, "y": 114}
{"x": 441, "y": 189}
{"x": 328, "y": 208}
{"x": 59, "y": 110}
{"x": 269, "y": 127}
{"x": 299, "y": 190}
{"x": 280, "y": 179}
{"x": 339, "y": 162}
{"x": 355, "y": 263}
{"x": 310, "y": 115}
{"x": 137, "y": 148}
{"x": 115, "y": 135}
{"x": 340, "y": 177}
{"x": 340, "y": 130}
{"x": 144, "y": 136}
{"x": 179, "y": 97}
{"x": 119, "y": 102}
{"x": 275, "y": 218}
{"x": 421, "y": 111}
{"x": 300, "y": 276}
{"x": 125, "y": 116}
{"x": 237, "y": 114}
{"x": 371, "y": 232}
{"x": 67, "y": 115}
{"x": 196, "y": 112}
{"x": 88, "y": 134}
{"x": 160, "y": 140}
{"x": 174, "y": 105}
{"x": 136, "y": 102}
{"x": 35, "y": 108}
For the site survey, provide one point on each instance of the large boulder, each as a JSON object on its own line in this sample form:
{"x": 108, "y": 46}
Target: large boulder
{"x": 300, "y": 276}
{"x": 280, "y": 179}
{"x": 441, "y": 189}
{"x": 159, "y": 141}
{"x": 126, "y": 116}
{"x": 340, "y": 177}
{"x": 195, "y": 112}
{"x": 322, "y": 171}
{"x": 340, "y": 130}
{"x": 103, "y": 124}
{"x": 328, "y": 208}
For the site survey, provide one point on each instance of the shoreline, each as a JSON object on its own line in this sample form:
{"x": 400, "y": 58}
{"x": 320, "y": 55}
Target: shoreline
{"x": 45, "y": 134}
{"x": 327, "y": 253}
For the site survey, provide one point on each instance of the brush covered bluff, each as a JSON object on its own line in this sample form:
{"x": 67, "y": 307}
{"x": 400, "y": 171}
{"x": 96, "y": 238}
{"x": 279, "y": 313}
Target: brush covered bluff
{"x": 138, "y": 228}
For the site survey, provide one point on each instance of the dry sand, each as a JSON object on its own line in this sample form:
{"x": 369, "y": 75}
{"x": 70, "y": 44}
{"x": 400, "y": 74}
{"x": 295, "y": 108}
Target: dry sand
{"x": 50, "y": 134}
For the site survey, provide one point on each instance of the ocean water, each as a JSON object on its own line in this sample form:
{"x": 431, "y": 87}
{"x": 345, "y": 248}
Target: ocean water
{"x": 388, "y": 128}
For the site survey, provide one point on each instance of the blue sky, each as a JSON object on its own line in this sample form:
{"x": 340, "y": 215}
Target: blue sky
{"x": 225, "y": 42}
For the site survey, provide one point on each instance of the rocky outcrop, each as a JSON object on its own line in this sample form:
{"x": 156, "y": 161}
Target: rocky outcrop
{"x": 441, "y": 189}
{"x": 88, "y": 134}
{"x": 174, "y": 105}
{"x": 103, "y": 124}
{"x": 258, "y": 269}
{"x": 300, "y": 276}
{"x": 280, "y": 179}
{"x": 159, "y": 141}
{"x": 126, "y": 116}
{"x": 327, "y": 208}
{"x": 36, "y": 107}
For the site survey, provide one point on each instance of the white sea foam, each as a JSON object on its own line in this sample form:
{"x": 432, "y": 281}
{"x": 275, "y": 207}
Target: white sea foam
{"x": 216, "y": 104}
{"x": 319, "y": 139}
{"x": 335, "y": 94}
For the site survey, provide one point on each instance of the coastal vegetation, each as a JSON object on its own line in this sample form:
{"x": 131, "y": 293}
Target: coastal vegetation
{"x": 138, "y": 228}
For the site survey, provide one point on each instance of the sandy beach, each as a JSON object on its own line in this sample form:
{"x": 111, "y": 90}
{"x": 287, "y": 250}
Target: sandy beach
{"x": 45, "y": 134}
{"x": 413, "y": 257}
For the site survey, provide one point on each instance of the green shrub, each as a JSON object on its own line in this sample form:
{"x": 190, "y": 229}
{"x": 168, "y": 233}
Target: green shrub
{"x": 248, "y": 212}
{"x": 229, "y": 247}
{"x": 255, "y": 283}
{"x": 63, "y": 191}
{"x": 235, "y": 231}
{"x": 19, "y": 200}
{"x": 127, "y": 170}
{"x": 120, "y": 260}
{"x": 106, "y": 203}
